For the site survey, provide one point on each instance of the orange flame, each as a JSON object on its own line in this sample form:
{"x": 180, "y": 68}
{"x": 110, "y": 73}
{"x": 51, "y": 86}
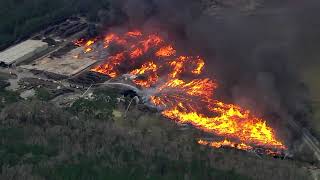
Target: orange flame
{"x": 134, "y": 33}
{"x": 110, "y": 68}
{"x": 225, "y": 143}
{"x": 113, "y": 38}
{"x": 189, "y": 101}
{"x": 200, "y": 65}
{"x": 136, "y": 53}
{"x": 152, "y": 78}
{"x": 87, "y": 45}
{"x": 166, "y": 51}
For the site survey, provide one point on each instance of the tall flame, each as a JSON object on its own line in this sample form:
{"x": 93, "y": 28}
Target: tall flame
{"x": 180, "y": 90}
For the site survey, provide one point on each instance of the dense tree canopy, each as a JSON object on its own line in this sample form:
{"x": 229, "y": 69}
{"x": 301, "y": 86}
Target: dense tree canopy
{"x": 20, "y": 18}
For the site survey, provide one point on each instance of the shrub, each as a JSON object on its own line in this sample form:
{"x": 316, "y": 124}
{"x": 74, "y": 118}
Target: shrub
{"x": 100, "y": 106}
{"x": 43, "y": 94}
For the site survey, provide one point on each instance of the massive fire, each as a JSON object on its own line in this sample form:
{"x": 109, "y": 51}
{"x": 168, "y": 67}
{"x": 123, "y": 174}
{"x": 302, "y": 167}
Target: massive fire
{"x": 178, "y": 89}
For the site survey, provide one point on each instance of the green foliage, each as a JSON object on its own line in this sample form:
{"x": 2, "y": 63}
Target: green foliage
{"x": 57, "y": 145}
{"x": 43, "y": 94}
{"x": 12, "y": 133}
{"x": 19, "y": 19}
{"x": 8, "y": 97}
{"x": 13, "y": 149}
{"x": 94, "y": 169}
{"x": 100, "y": 106}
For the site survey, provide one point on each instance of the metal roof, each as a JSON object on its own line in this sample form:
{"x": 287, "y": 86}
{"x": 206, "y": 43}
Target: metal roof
{"x": 12, "y": 54}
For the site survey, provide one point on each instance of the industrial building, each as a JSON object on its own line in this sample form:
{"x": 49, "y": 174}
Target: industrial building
{"x": 22, "y": 52}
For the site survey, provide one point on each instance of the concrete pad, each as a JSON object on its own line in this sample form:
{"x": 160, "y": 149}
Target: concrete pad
{"x": 68, "y": 65}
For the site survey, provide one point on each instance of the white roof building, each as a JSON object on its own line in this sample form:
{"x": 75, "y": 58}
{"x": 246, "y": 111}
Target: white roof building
{"x": 22, "y": 52}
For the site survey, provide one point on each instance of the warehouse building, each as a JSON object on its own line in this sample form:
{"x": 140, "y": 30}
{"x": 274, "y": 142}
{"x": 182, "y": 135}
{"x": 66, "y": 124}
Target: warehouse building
{"x": 22, "y": 52}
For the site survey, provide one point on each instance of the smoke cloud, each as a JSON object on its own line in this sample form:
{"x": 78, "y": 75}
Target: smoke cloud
{"x": 253, "y": 48}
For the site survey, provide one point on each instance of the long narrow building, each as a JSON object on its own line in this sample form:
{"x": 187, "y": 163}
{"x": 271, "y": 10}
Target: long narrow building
{"x": 21, "y": 52}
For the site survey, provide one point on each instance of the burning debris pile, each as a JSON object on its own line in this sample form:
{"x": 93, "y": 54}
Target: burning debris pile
{"x": 176, "y": 85}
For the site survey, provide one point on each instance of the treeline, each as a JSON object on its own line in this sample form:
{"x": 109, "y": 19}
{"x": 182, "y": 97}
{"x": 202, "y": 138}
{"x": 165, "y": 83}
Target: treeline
{"x": 93, "y": 140}
{"x": 20, "y": 18}
{"x": 85, "y": 141}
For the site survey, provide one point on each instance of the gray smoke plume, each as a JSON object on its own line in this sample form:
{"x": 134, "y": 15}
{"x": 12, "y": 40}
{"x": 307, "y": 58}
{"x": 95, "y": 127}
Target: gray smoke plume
{"x": 253, "y": 48}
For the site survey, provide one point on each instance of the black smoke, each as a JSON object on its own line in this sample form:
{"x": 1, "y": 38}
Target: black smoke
{"x": 254, "y": 48}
